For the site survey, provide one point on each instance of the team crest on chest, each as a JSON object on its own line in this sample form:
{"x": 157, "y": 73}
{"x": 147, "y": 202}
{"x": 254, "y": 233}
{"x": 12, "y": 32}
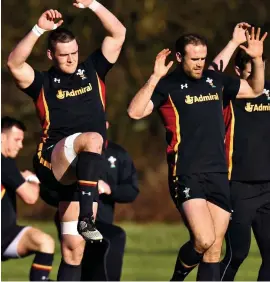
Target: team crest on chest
{"x": 80, "y": 73}
{"x": 112, "y": 161}
{"x": 210, "y": 81}
{"x": 267, "y": 93}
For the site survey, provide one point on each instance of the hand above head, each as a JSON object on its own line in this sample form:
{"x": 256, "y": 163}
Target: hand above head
{"x": 104, "y": 188}
{"x": 82, "y": 3}
{"x": 160, "y": 68}
{"x": 239, "y": 33}
{"x": 255, "y": 44}
{"x": 48, "y": 20}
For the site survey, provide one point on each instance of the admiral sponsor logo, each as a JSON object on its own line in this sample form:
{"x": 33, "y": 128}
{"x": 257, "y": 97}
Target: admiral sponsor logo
{"x": 257, "y": 107}
{"x": 202, "y": 98}
{"x": 62, "y": 94}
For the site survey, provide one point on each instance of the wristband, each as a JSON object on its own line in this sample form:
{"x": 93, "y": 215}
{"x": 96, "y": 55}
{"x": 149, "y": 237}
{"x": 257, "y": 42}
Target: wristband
{"x": 38, "y": 31}
{"x": 32, "y": 178}
{"x": 93, "y": 6}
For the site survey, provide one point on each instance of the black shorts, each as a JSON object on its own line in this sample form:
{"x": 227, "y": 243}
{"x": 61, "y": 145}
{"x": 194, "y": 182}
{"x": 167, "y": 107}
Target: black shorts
{"x": 52, "y": 191}
{"x": 213, "y": 187}
{"x": 248, "y": 199}
{"x": 8, "y": 236}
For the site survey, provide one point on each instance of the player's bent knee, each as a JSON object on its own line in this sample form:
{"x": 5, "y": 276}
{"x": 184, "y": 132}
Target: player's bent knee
{"x": 47, "y": 244}
{"x": 72, "y": 249}
{"x": 203, "y": 244}
{"x": 93, "y": 142}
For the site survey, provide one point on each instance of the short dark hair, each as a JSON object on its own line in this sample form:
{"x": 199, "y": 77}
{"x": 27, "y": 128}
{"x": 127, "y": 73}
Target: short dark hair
{"x": 8, "y": 122}
{"x": 190, "y": 38}
{"x": 61, "y": 35}
{"x": 242, "y": 58}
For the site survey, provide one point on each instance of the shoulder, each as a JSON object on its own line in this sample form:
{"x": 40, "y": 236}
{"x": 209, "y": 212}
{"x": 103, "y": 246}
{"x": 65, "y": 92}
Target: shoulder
{"x": 267, "y": 85}
{"x": 167, "y": 80}
{"x": 116, "y": 148}
{"x": 213, "y": 74}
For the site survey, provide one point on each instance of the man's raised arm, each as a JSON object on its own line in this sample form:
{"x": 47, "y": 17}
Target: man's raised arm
{"x": 113, "y": 42}
{"x": 141, "y": 105}
{"x": 22, "y": 72}
{"x": 254, "y": 85}
{"x": 221, "y": 61}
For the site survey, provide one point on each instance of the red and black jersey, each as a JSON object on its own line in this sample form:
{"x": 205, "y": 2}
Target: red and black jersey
{"x": 248, "y": 137}
{"x": 191, "y": 111}
{"x": 71, "y": 103}
{"x": 11, "y": 180}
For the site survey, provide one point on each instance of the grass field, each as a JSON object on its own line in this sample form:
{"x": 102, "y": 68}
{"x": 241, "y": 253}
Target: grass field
{"x": 150, "y": 254}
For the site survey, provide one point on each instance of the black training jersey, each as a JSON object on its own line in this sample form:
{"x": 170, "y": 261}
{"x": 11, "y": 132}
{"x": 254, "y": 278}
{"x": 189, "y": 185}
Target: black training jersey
{"x": 11, "y": 179}
{"x": 191, "y": 111}
{"x": 248, "y": 137}
{"x": 71, "y": 103}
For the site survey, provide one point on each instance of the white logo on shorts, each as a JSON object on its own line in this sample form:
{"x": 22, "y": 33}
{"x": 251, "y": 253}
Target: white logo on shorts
{"x": 186, "y": 192}
{"x": 86, "y": 193}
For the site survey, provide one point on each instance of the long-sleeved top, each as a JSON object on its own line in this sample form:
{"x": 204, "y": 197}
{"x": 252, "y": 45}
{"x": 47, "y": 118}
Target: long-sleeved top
{"x": 121, "y": 176}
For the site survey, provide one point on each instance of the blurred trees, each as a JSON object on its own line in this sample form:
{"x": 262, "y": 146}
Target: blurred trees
{"x": 151, "y": 26}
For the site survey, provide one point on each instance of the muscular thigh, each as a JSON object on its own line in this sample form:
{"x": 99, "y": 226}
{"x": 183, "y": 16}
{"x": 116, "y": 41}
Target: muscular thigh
{"x": 63, "y": 170}
{"x": 220, "y": 219}
{"x": 198, "y": 218}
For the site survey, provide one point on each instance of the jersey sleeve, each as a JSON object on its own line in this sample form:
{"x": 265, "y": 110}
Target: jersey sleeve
{"x": 11, "y": 177}
{"x": 160, "y": 95}
{"x": 34, "y": 89}
{"x": 100, "y": 63}
{"x": 231, "y": 86}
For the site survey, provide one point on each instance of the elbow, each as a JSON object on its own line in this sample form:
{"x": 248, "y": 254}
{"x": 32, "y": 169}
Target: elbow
{"x": 121, "y": 36}
{"x": 9, "y": 63}
{"x": 31, "y": 200}
{"x": 132, "y": 114}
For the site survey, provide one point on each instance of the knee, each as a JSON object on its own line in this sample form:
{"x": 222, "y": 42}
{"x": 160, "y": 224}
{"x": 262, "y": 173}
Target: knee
{"x": 121, "y": 237}
{"x": 214, "y": 252}
{"x": 93, "y": 142}
{"x": 46, "y": 243}
{"x": 203, "y": 243}
{"x": 72, "y": 250}
{"x": 238, "y": 256}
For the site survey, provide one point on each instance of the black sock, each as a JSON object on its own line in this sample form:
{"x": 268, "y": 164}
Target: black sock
{"x": 208, "y": 271}
{"x": 68, "y": 272}
{"x": 89, "y": 169}
{"x": 188, "y": 258}
{"x": 41, "y": 267}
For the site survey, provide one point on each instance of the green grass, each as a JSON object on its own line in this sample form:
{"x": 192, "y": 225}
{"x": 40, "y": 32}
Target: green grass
{"x": 150, "y": 254}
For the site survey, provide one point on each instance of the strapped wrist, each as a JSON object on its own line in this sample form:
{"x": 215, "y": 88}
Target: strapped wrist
{"x": 94, "y": 5}
{"x": 38, "y": 31}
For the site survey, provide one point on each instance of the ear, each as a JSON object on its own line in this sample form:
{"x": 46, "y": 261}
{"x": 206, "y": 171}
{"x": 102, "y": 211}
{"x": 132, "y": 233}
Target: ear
{"x": 50, "y": 54}
{"x": 237, "y": 70}
{"x": 179, "y": 57}
{"x": 3, "y": 137}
